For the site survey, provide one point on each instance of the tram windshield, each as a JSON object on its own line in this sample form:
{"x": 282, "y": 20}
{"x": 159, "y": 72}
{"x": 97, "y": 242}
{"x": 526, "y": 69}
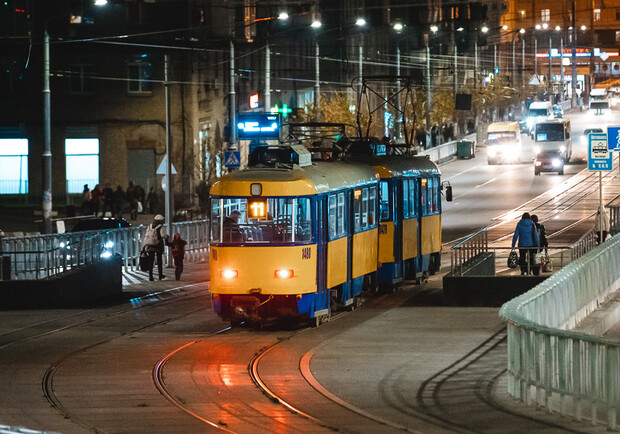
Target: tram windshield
{"x": 261, "y": 220}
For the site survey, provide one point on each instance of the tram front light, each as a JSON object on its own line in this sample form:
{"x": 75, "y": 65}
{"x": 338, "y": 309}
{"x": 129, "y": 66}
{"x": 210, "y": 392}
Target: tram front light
{"x": 284, "y": 273}
{"x": 227, "y": 273}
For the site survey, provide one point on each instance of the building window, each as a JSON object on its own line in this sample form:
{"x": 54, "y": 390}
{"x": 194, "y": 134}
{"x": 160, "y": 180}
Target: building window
{"x": 80, "y": 81}
{"x": 545, "y": 15}
{"x": 13, "y": 166}
{"x": 597, "y": 15}
{"x": 82, "y": 163}
{"x": 139, "y": 74}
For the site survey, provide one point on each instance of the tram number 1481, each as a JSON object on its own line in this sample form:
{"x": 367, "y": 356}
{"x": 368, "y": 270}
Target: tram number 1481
{"x": 306, "y": 253}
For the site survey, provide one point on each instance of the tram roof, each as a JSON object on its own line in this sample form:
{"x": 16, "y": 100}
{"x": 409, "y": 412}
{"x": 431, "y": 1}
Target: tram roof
{"x": 320, "y": 177}
{"x": 390, "y": 166}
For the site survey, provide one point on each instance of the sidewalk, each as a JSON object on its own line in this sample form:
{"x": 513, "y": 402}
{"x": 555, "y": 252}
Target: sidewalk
{"x": 137, "y": 282}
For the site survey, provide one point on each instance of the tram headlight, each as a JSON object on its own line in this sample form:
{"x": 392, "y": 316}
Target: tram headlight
{"x": 284, "y": 273}
{"x": 227, "y": 273}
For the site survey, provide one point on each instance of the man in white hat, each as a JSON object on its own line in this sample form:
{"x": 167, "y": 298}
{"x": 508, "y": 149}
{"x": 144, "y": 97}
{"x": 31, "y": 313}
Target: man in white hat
{"x": 154, "y": 244}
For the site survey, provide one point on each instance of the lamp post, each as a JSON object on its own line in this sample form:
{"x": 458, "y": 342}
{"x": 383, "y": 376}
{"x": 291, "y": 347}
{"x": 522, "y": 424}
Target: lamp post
{"x": 316, "y": 24}
{"x": 398, "y": 28}
{"x": 47, "y": 128}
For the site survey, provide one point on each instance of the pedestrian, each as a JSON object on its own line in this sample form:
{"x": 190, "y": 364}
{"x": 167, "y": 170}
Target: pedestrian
{"x": 152, "y": 201}
{"x": 96, "y": 195}
{"x": 601, "y": 224}
{"x": 451, "y": 131}
{"x": 434, "y": 131}
{"x": 153, "y": 244}
{"x": 108, "y": 200}
{"x": 141, "y": 196}
{"x": 119, "y": 202}
{"x": 131, "y": 196}
{"x": 470, "y": 126}
{"x": 177, "y": 245}
{"x": 542, "y": 241}
{"x": 527, "y": 235}
{"x": 86, "y": 198}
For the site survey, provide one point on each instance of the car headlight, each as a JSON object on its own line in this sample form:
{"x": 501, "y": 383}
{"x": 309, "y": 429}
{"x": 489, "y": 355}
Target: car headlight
{"x": 109, "y": 244}
{"x": 492, "y": 152}
{"x": 556, "y": 162}
{"x": 538, "y": 163}
{"x": 537, "y": 149}
{"x": 530, "y": 123}
{"x": 562, "y": 148}
{"x": 106, "y": 254}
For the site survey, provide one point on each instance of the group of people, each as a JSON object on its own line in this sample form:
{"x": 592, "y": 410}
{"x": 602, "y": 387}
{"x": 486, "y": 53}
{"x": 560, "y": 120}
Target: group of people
{"x": 105, "y": 200}
{"x": 153, "y": 247}
{"x": 531, "y": 238}
{"x": 99, "y": 202}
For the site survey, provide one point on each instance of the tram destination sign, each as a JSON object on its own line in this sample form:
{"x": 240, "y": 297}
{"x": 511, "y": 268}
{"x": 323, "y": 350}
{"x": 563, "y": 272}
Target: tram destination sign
{"x": 258, "y": 126}
{"x": 599, "y": 157}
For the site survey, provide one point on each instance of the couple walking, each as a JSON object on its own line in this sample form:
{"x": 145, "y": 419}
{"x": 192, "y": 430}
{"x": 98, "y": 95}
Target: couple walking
{"x": 531, "y": 238}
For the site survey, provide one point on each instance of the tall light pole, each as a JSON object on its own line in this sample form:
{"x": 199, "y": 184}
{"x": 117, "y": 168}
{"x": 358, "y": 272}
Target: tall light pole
{"x": 232, "y": 119}
{"x": 429, "y": 97}
{"x": 169, "y": 207}
{"x": 398, "y": 28}
{"x": 573, "y": 55}
{"x": 267, "y": 78}
{"x": 47, "y": 138}
{"x": 316, "y": 24}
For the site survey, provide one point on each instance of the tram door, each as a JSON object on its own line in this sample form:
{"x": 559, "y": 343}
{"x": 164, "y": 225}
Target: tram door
{"x": 321, "y": 249}
{"x": 398, "y": 226}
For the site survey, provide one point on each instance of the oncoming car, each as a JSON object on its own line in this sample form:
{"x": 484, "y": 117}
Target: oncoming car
{"x": 549, "y": 161}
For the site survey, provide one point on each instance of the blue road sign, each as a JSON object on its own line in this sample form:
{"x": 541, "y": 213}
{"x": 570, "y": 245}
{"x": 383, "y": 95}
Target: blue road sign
{"x": 613, "y": 138}
{"x": 232, "y": 159}
{"x": 599, "y": 157}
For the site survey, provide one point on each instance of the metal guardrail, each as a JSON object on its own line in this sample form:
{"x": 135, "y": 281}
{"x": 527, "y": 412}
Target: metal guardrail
{"x": 463, "y": 253}
{"x": 41, "y": 256}
{"x": 445, "y": 151}
{"x": 553, "y": 366}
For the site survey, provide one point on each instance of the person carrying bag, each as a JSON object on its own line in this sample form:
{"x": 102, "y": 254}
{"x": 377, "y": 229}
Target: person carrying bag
{"x": 153, "y": 245}
{"x": 527, "y": 237}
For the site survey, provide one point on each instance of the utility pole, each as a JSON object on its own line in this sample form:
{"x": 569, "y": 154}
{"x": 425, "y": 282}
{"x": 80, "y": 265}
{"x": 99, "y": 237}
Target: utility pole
{"x": 232, "y": 119}
{"x": 476, "y": 63}
{"x": 47, "y": 136}
{"x": 267, "y": 78}
{"x": 317, "y": 82}
{"x": 535, "y": 55}
{"x": 513, "y": 73}
{"x": 550, "y": 81}
{"x": 360, "y": 59}
{"x": 562, "y": 67}
{"x": 399, "y": 114}
{"x": 523, "y": 62}
{"x": 573, "y": 50}
{"x": 455, "y": 80}
{"x": 429, "y": 98}
{"x": 168, "y": 193}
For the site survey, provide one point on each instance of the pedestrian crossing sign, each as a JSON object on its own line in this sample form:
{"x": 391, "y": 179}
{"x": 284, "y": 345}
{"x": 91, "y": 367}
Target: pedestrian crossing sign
{"x": 232, "y": 159}
{"x": 613, "y": 138}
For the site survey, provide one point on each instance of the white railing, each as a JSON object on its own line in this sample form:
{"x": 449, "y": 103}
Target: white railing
{"x": 40, "y": 256}
{"x": 551, "y": 365}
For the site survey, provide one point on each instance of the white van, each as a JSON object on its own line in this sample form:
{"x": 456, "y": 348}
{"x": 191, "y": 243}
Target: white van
{"x": 553, "y": 135}
{"x": 538, "y": 111}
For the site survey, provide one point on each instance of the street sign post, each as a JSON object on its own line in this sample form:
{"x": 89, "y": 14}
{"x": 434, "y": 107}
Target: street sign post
{"x": 232, "y": 159}
{"x": 599, "y": 157}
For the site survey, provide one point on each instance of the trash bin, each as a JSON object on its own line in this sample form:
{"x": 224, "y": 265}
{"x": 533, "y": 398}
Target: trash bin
{"x": 465, "y": 149}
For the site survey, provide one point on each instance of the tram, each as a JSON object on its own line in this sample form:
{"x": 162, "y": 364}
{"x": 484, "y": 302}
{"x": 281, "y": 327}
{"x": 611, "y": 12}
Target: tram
{"x": 292, "y": 237}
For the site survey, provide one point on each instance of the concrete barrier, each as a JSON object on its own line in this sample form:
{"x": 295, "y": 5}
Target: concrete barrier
{"x": 445, "y": 152}
{"x": 84, "y": 286}
{"x": 488, "y": 291}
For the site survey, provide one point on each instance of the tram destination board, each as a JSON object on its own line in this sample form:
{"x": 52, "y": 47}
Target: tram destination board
{"x": 599, "y": 157}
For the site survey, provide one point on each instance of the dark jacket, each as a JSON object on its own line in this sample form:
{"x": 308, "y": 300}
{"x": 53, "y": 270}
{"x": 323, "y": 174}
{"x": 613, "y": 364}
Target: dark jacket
{"x": 542, "y": 235}
{"x": 526, "y": 233}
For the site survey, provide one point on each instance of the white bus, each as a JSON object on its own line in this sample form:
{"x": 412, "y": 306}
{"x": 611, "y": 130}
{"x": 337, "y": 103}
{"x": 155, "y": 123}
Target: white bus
{"x": 553, "y": 135}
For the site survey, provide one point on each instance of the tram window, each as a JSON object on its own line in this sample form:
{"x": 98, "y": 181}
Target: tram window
{"x": 384, "y": 201}
{"x": 357, "y": 198}
{"x": 341, "y": 215}
{"x": 413, "y": 188}
{"x": 406, "y": 201}
{"x": 424, "y": 196}
{"x": 365, "y": 207}
{"x": 288, "y": 220}
{"x": 332, "y": 216}
{"x": 372, "y": 206}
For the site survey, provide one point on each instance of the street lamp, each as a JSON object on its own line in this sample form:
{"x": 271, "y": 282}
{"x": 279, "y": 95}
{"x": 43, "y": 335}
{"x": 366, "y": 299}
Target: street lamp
{"x": 47, "y": 130}
{"x": 360, "y": 22}
{"x": 316, "y": 24}
{"x": 283, "y": 16}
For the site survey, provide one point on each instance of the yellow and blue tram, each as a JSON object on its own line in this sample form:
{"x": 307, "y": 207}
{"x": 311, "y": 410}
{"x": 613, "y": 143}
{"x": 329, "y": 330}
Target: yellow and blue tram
{"x": 298, "y": 240}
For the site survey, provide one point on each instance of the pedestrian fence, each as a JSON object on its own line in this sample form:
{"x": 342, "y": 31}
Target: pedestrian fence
{"x": 466, "y": 255}
{"x": 551, "y": 365}
{"x": 42, "y": 256}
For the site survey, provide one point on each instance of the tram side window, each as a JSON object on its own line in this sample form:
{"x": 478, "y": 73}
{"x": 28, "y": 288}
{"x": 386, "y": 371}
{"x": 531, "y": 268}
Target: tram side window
{"x": 413, "y": 208}
{"x": 341, "y": 215}
{"x": 336, "y": 216}
{"x": 303, "y": 226}
{"x": 406, "y": 201}
{"x": 365, "y": 208}
{"x": 385, "y": 202}
{"x": 332, "y": 215}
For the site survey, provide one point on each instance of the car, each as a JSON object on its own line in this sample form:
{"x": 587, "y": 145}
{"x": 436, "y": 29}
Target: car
{"x": 557, "y": 111}
{"x": 549, "y": 161}
{"x": 584, "y": 139}
{"x": 98, "y": 223}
